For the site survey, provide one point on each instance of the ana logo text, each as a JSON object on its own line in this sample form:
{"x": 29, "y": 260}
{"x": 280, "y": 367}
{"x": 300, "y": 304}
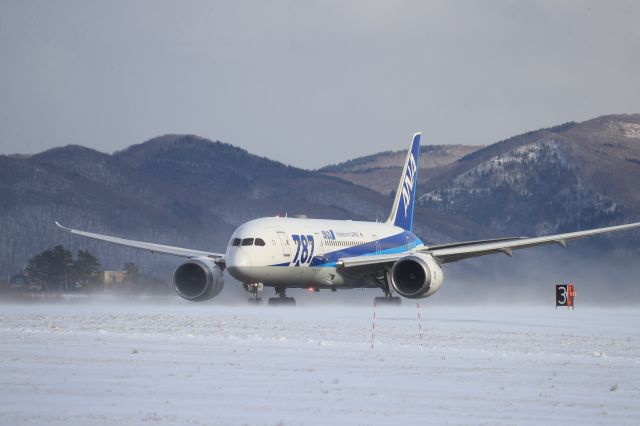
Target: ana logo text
{"x": 328, "y": 235}
{"x": 407, "y": 187}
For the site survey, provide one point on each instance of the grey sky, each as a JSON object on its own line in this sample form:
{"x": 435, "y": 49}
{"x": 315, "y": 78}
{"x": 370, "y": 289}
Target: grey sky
{"x": 309, "y": 83}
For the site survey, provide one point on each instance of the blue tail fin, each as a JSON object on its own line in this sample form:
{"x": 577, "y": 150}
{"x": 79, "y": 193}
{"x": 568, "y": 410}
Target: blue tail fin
{"x": 402, "y": 211}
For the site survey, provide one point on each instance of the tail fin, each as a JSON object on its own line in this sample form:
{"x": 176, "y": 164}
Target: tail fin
{"x": 402, "y": 211}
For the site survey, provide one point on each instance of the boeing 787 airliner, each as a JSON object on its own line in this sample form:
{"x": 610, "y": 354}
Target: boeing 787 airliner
{"x": 284, "y": 252}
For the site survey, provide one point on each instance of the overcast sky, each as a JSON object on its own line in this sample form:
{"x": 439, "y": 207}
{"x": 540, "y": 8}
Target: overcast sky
{"x": 309, "y": 83}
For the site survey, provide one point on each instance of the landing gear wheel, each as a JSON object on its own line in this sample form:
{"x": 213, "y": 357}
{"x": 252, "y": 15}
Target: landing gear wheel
{"x": 390, "y": 300}
{"x": 282, "y": 299}
{"x": 387, "y": 299}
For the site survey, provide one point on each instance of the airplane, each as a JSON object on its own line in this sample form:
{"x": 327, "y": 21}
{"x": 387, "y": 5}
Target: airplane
{"x": 291, "y": 252}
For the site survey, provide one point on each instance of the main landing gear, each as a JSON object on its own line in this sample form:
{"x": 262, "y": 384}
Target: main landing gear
{"x": 282, "y": 299}
{"x": 387, "y": 299}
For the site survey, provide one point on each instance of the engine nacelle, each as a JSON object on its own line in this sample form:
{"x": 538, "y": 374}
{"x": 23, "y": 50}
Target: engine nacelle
{"x": 198, "y": 279}
{"x": 416, "y": 276}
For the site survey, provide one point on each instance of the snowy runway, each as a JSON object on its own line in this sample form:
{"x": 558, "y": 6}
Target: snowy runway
{"x": 180, "y": 363}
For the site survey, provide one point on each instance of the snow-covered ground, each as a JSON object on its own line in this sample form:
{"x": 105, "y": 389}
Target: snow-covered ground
{"x": 177, "y": 363}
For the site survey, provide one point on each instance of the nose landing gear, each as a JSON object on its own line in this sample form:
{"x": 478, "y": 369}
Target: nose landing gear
{"x": 255, "y": 293}
{"x": 282, "y": 299}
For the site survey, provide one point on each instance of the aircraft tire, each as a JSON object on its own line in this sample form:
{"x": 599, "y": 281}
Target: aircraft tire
{"x": 282, "y": 301}
{"x": 390, "y": 301}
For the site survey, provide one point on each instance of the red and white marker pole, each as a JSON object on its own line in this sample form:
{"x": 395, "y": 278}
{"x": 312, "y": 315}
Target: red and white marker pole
{"x": 373, "y": 323}
{"x": 419, "y": 324}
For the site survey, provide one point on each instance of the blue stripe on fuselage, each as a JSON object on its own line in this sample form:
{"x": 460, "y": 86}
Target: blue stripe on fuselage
{"x": 398, "y": 243}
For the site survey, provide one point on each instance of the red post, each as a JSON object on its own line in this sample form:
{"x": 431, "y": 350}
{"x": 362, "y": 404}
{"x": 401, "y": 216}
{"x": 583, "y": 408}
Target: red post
{"x": 571, "y": 294}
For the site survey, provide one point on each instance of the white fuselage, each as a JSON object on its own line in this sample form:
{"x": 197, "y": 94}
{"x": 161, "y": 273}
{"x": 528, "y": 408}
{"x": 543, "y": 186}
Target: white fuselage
{"x": 303, "y": 252}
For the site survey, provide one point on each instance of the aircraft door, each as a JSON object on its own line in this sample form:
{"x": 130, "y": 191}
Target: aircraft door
{"x": 377, "y": 244}
{"x": 284, "y": 242}
{"x": 319, "y": 249}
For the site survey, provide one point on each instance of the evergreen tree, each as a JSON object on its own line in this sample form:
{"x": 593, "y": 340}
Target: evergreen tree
{"x": 52, "y": 269}
{"x": 56, "y": 270}
{"x": 85, "y": 269}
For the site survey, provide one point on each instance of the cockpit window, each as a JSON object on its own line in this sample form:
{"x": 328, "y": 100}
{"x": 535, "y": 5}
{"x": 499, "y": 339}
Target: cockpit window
{"x": 259, "y": 242}
{"x": 247, "y": 242}
{"x": 236, "y": 242}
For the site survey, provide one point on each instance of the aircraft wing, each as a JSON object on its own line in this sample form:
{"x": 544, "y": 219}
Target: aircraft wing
{"x": 454, "y": 254}
{"x": 459, "y": 251}
{"x": 369, "y": 262}
{"x": 154, "y": 248}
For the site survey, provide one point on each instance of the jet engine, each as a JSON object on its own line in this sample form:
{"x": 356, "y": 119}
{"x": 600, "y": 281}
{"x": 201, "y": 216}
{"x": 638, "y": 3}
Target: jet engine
{"x": 416, "y": 276}
{"x": 198, "y": 279}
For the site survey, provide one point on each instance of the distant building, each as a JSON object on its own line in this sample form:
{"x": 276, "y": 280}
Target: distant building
{"x": 109, "y": 278}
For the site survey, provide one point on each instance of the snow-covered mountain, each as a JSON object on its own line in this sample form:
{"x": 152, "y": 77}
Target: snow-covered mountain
{"x": 572, "y": 176}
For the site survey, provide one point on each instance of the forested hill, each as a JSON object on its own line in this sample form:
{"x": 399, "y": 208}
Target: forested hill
{"x": 177, "y": 189}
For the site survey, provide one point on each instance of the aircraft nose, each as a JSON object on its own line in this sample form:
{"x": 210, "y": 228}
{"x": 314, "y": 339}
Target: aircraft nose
{"x": 238, "y": 263}
{"x": 240, "y": 258}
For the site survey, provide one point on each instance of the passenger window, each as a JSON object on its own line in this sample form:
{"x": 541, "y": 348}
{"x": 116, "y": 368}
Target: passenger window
{"x": 260, "y": 242}
{"x": 247, "y": 242}
{"x": 236, "y": 242}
